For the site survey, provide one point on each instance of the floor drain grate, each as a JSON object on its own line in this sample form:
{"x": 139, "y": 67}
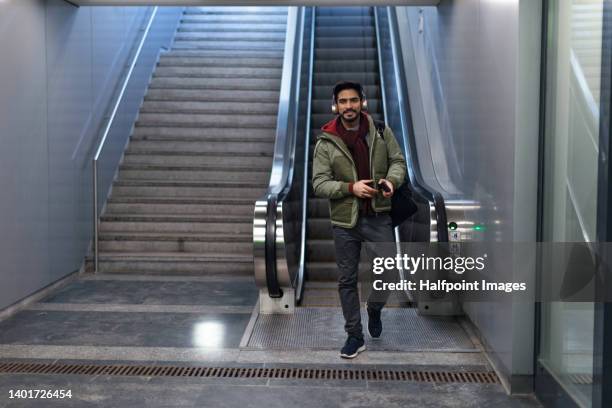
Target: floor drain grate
{"x": 253, "y": 372}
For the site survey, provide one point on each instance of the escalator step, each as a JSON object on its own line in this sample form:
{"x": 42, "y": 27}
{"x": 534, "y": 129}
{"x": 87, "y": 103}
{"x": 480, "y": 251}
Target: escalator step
{"x": 342, "y": 53}
{"x": 345, "y": 42}
{"x": 357, "y": 31}
{"x": 326, "y": 66}
{"x": 325, "y": 91}
{"x": 343, "y": 11}
{"x": 334, "y": 21}
{"x": 364, "y": 78}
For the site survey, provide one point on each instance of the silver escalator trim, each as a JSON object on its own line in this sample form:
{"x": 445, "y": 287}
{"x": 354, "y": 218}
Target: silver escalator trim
{"x": 299, "y": 280}
{"x": 383, "y": 95}
{"x": 275, "y": 258}
{"x": 383, "y": 91}
{"x": 437, "y": 210}
{"x": 264, "y": 243}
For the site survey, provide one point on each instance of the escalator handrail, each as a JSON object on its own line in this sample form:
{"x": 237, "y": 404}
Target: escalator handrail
{"x": 415, "y": 177}
{"x": 299, "y": 283}
{"x": 285, "y": 135}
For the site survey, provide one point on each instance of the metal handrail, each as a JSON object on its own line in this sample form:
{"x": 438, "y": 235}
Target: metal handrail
{"x": 299, "y": 285}
{"x": 107, "y": 131}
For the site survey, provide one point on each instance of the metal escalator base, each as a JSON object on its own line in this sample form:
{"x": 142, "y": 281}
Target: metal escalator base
{"x": 323, "y": 329}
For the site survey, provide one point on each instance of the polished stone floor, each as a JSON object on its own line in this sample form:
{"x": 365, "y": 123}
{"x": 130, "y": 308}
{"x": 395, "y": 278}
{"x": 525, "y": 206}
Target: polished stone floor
{"x": 118, "y": 392}
{"x": 209, "y": 321}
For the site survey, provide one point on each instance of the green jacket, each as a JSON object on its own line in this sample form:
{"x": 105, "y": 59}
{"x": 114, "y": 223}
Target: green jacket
{"x": 333, "y": 169}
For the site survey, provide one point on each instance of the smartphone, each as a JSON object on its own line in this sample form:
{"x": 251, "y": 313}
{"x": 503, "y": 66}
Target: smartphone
{"x": 382, "y": 186}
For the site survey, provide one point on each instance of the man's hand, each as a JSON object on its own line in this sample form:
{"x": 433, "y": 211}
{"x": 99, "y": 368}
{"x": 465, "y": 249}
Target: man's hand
{"x": 361, "y": 189}
{"x": 389, "y": 185}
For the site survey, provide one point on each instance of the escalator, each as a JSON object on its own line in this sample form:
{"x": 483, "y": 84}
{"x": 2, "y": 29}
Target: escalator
{"x": 345, "y": 49}
{"x": 297, "y": 266}
{"x": 294, "y": 253}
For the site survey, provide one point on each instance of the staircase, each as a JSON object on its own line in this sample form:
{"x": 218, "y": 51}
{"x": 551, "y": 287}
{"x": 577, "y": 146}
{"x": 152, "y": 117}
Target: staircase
{"x": 345, "y": 49}
{"x": 201, "y": 150}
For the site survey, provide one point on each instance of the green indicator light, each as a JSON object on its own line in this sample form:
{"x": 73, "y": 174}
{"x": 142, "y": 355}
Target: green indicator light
{"x": 479, "y": 228}
{"x": 452, "y": 226}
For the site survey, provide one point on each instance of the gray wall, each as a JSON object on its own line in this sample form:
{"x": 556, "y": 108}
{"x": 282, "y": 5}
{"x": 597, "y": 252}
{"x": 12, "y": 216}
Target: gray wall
{"x": 60, "y": 66}
{"x": 475, "y": 93}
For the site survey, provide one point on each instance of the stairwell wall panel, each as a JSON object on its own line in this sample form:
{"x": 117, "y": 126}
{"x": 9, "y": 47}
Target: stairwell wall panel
{"x": 61, "y": 66}
{"x": 23, "y": 156}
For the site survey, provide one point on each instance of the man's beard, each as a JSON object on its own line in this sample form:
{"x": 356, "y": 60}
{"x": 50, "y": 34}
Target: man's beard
{"x": 355, "y": 118}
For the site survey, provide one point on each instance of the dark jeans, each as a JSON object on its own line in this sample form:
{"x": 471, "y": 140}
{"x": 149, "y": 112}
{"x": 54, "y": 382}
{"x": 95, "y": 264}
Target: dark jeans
{"x": 368, "y": 230}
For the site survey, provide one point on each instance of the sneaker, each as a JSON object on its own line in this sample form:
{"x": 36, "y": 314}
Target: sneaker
{"x": 352, "y": 347}
{"x": 374, "y": 323}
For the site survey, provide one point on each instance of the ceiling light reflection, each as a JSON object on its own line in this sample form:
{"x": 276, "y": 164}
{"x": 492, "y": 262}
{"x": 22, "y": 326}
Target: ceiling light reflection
{"x": 208, "y": 334}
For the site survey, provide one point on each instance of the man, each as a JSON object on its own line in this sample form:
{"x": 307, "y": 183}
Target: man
{"x": 358, "y": 170}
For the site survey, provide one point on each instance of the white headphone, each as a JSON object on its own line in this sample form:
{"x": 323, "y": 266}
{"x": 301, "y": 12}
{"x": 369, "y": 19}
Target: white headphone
{"x": 360, "y": 91}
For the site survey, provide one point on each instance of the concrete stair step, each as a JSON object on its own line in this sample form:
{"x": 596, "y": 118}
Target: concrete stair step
{"x": 205, "y": 120}
{"x": 164, "y": 173}
{"x": 236, "y": 201}
{"x": 271, "y": 84}
{"x": 233, "y": 27}
{"x": 233, "y": 10}
{"x": 218, "y": 72}
{"x": 237, "y": 18}
{"x": 230, "y": 61}
{"x": 249, "y": 53}
{"x": 208, "y": 133}
{"x": 178, "y": 245}
{"x": 196, "y": 147}
{"x": 177, "y": 151}
{"x": 187, "y": 189}
{"x": 203, "y": 95}
{"x": 213, "y": 138}
{"x": 228, "y": 203}
{"x": 175, "y": 263}
{"x": 265, "y": 36}
{"x": 192, "y": 237}
{"x": 204, "y": 218}
{"x": 227, "y": 45}
{"x": 157, "y": 226}
{"x": 139, "y": 208}
{"x": 216, "y": 159}
{"x": 235, "y": 108}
